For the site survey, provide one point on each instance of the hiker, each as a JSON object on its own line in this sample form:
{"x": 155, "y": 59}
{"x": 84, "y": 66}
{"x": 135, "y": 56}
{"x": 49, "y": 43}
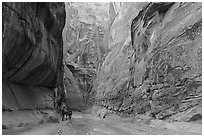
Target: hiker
{"x": 69, "y": 113}
{"x": 152, "y": 107}
{"x": 65, "y": 111}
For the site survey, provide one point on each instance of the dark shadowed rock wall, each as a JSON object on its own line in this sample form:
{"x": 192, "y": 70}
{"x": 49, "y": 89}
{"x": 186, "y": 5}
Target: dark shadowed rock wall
{"x": 32, "y": 53}
{"x": 154, "y": 63}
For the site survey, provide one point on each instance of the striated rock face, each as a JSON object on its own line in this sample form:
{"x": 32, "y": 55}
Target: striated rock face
{"x": 85, "y": 39}
{"x": 78, "y": 84}
{"x": 154, "y": 66}
{"x": 114, "y": 73}
{"x": 32, "y": 53}
{"x": 133, "y": 58}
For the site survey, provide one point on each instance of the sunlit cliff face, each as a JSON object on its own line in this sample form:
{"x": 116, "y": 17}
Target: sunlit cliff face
{"x": 132, "y": 58}
{"x": 153, "y": 65}
{"x": 85, "y": 37}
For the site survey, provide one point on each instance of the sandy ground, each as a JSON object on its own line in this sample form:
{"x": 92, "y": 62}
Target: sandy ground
{"x": 87, "y": 124}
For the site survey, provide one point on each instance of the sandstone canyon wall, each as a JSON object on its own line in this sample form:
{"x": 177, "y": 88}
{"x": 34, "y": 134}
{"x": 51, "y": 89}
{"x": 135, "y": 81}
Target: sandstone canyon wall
{"x": 85, "y": 39}
{"x": 32, "y": 54}
{"x": 131, "y": 58}
{"x": 154, "y": 62}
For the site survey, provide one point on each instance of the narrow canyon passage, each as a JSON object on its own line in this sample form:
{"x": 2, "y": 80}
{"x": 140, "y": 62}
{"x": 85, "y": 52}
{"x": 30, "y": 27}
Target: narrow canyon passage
{"x": 87, "y": 124}
{"x": 119, "y": 67}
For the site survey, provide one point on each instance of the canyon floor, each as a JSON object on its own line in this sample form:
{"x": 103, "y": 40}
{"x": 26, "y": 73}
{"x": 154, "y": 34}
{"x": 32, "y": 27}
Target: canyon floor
{"x": 88, "y": 124}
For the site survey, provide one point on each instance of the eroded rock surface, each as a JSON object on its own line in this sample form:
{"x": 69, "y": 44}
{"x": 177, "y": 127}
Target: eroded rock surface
{"x": 154, "y": 63}
{"x": 132, "y": 58}
{"x": 32, "y": 53}
{"x": 85, "y": 47}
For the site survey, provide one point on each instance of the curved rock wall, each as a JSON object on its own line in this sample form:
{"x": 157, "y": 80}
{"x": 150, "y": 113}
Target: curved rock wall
{"x": 32, "y": 51}
{"x": 85, "y": 39}
{"x": 154, "y": 66}
{"x": 114, "y": 74}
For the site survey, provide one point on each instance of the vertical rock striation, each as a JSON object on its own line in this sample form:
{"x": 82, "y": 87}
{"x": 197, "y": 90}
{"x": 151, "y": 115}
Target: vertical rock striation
{"x": 154, "y": 65}
{"x": 32, "y": 53}
{"x": 85, "y": 46}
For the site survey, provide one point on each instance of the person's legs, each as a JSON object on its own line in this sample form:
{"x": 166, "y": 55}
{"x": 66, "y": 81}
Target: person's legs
{"x": 63, "y": 113}
{"x": 66, "y": 114}
{"x": 70, "y": 114}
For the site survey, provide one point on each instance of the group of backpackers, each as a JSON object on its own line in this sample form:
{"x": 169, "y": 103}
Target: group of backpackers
{"x": 63, "y": 109}
{"x": 61, "y": 105}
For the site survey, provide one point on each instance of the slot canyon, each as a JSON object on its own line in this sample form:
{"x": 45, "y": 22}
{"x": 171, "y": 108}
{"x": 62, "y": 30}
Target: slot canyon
{"x": 120, "y": 67}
